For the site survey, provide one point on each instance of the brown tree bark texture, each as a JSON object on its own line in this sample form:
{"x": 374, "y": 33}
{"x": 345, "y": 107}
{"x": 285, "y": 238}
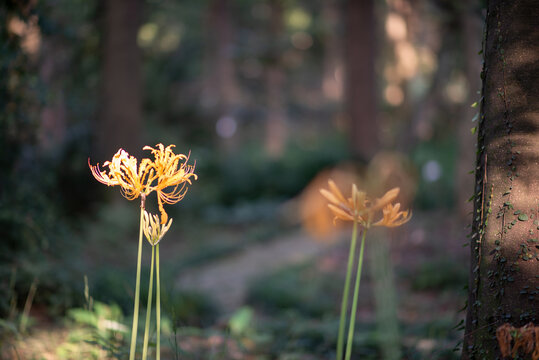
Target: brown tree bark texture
{"x": 120, "y": 120}
{"x": 471, "y": 35}
{"x": 504, "y": 277}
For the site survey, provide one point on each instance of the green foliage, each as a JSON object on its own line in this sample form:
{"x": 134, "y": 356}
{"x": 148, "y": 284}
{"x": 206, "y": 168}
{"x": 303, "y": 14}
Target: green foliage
{"x": 296, "y": 289}
{"x": 253, "y": 175}
{"x": 102, "y": 332}
{"x": 115, "y": 286}
{"x": 434, "y": 339}
{"x": 439, "y": 275}
{"x": 438, "y": 193}
{"x": 39, "y": 188}
{"x": 190, "y": 309}
{"x": 241, "y": 322}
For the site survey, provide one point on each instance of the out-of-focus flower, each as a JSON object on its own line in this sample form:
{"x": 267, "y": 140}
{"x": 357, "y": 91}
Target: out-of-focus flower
{"x": 514, "y": 341}
{"x": 153, "y": 230}
{"x": 123, "y": 171}
{"x": 392, "y": 217}
{"x": 361, "y": 209}
{"x": 172, "y": 174}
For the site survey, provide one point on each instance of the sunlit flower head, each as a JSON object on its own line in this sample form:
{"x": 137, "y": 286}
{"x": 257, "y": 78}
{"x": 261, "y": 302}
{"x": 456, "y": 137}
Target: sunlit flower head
{"x": 173, "y": 176}
{"x": 123, "y": 171}
{"x": 361, "y": 209}
{"x": 153, "y": 229}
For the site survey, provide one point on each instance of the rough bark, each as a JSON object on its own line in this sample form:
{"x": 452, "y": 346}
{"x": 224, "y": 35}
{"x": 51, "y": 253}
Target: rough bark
{"x": 120, "y": 118}
{"x": 504, "y": 277}
{"x": 360, "y": 86}
{"x": 470, "y": 36}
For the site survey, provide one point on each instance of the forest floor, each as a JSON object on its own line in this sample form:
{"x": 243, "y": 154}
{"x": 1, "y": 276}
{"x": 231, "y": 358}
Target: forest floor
{"x": 427, "y": 259}
{"x": 227, "y": 278}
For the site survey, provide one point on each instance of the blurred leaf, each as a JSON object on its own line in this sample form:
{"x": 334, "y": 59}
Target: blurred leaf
{"x": 241, "y": 321}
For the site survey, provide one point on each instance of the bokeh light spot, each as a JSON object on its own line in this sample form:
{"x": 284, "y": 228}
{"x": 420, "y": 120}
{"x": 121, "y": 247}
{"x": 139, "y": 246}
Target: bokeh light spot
{"x": 431, "y": 171}
{"x": 226, "y": 127}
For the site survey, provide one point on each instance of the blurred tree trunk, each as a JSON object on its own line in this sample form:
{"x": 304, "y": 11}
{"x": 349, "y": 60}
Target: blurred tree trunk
{"x": 53, "y": 124}
{"x": 470, "y": 36}
{"x": 361, "y": 95}
{"x": 120, "y": 120}
{"x": 505, "y": 261}
{"x": 332, "y": 78}
{"x": 275, "y": 83}
{"x": 221, "y": 90}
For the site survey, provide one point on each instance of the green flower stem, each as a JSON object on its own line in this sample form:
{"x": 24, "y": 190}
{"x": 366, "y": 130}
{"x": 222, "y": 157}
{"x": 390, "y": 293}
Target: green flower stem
{"x": 137, "y": 289}
{"x": 158, "y": 304}
{"x": 148, "y": 309}
{"x": 344, "y": 303}
{"x": 354, "y": 300}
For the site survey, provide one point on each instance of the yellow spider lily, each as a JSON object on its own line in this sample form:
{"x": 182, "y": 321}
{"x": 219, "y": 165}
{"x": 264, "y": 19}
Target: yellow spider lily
{"x": 123, "y": 171}
{"x": 359, "y": 208}
{"x": 168, "y": 175}
{"x": 392, "y": 217}
{"x": 171, "y": 173}
{"x": 153, "y": 230}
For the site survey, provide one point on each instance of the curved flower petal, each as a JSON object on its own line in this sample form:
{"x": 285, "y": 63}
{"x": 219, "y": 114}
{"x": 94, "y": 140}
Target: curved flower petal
{"x": 386, "y": 199}
{"x": 335, "y": 190}
{"x": 340, "y": 214}
{"x": 100, "y": 176}
{"x": 362, "y": 210}
{"x": 392, "y": 217}
{"x": 328, "y": 195}
{"x": 172, "y": 174}
{"x": 123, "y": 171}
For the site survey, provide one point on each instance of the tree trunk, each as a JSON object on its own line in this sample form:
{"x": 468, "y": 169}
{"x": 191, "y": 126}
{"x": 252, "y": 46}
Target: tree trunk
{"x": 332, "y": 59}
{"x": 221, "y": 90}
{"x": 120, "y": 120}
{"x": 470, "y": 37}
{"x": 505, "y": 261}
{"x": 360, "y": 86}
{"x": 275, "y": 82}
{"x": 53, "y": 127}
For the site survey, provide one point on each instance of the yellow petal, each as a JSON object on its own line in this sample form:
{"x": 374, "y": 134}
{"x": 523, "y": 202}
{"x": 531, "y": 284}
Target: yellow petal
{"x": 341, "y": 214}
{"x": 328, "y": 195}
{"x": 387, "y": 198}
{"x": 335, "y": 190}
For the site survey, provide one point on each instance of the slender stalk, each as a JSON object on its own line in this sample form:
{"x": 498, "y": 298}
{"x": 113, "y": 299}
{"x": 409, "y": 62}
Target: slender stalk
{"x": 148, "y": 309}
{"x": 158, "y": 305}
{"x": 354, "y": 300}
{"x": 344, "y": 303}
{"x": 132, "y": 350}
{"x": 28, "y": 306}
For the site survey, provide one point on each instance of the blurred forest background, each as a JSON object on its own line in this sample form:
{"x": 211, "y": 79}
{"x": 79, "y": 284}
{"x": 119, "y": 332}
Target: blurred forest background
{"x": 270, "y": 98}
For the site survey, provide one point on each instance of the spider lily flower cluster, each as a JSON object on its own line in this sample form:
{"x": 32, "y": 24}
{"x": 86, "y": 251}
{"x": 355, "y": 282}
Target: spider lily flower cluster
{"x": 169, "y": 176}
{"x": 362, "y": 211}
{"x": 359, "y": 208}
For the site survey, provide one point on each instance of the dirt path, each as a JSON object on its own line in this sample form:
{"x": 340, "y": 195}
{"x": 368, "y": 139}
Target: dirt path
{"x": 232, "y": 275}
